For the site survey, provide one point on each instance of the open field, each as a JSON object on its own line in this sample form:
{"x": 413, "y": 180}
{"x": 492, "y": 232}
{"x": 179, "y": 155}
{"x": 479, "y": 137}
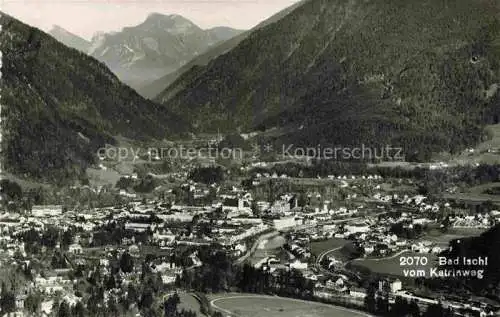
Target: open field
{"x": 241, "y": 305}
{"x": 477, "y": 194}
{"x": 98, "y": 177}
{"x": 473, "y": 197}
{"x": 398, "y": 188}
{"x": 24, "y": 183}
{"x": 391, "y": 265}
{"x": 303, "y": 181}
{"x": 443, "y": 239}
{"x": 481, "y": 154}
{"x": 188, "y": 302}
{"x": 394, "y": 164}
{"x": 319, "y": 247}
{"x": 480, "y": 189}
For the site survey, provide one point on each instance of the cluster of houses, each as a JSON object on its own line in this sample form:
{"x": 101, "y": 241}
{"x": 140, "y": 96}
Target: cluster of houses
{"x": 239, "y": 225}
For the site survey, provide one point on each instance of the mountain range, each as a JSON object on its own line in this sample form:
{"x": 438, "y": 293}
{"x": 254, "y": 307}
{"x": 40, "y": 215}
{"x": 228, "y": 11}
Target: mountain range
{"x": 152, "y": 89}
{"x": 422, "y": 75}
{"x": 142, "y": 53}
{"x": 60, "y": 105}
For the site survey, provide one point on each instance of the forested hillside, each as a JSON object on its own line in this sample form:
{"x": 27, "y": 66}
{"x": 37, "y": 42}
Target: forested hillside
{"x": 151, "y": 90}
{"x": 420, "y": 74}
{"x": 59, "y": 106}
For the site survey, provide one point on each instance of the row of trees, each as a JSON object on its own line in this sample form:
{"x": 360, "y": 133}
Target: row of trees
{"x": 208, "y": 175}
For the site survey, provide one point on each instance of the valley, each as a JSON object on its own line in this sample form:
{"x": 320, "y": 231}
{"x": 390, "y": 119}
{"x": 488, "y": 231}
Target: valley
{"x": 328, "y": 160}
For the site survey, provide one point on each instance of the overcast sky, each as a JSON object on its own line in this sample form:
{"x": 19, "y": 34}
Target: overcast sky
{"x": 85, "y": 17}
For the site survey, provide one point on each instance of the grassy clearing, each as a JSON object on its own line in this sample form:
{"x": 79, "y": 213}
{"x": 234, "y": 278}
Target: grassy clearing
{"x": 188, "y": 302}
{"x": 319, "y": 247}
{"x": 473, "y": 197}
{"x": 481, "y": 154}
{"x": 391, "y": 265}
{"x": 99, "y": 177}
{"x": 480, "y": 189}
{"x": 266, "y": 306}
{"x": 443, "y": 239}
{"x": 24, "y": 183}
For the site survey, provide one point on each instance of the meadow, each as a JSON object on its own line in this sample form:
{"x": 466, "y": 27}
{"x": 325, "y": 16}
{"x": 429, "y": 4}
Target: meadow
{"x": 269, "y": 306}
{"x": 318, "y": 247}
{"x": 392, "y": 265}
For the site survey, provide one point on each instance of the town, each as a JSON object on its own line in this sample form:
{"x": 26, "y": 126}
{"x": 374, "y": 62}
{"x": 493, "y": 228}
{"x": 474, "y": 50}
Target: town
{"x": 362, "y": 240}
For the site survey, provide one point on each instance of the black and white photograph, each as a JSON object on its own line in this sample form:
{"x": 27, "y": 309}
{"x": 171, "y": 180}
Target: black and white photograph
{"x": 249, "y": 158}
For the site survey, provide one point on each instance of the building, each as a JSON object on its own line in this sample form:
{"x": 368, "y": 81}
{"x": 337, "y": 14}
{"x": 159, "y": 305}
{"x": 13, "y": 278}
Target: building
{"x": 362, "y": 228}
{"x": 247, "y": 220}
{"x": 75, "y": 248}
{"x": 236, "y": 204}
{"x": 284, "y": 204}
{"x": 284, "y": 223}
{"x": 357, "y": 292}
{"x": 46, "y": 210}
{"x": 137, "y": 227}
{"x": 177, "y": 216}
{"x": 395, "y": 285}
{"x": 391, "y": 285}
{"x": 298, "y": 265}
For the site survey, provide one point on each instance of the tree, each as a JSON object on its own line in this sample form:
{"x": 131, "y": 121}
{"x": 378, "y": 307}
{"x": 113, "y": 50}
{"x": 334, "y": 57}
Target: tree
{"x": 64, "y": 310}
{"x": 208, "y": 175}
{"x": 7, "y": 300}
{"x": 382, "y": 305}
{"x": 78, "y": 310}
{"x": 132, "y": 295}
{"x": 110, "y": 282}
{"x": 10, "y": 189}
{"x": 434, "y": 310}
{"x": 126, "y": 263}
{"x": 33, "y": 302}
{"x": 147, "y": 299}
{"x": 301, "y": 199}
{"x": 400, "y": 307}
{"x": 414, "y": 309}
{"x": 170, "y": 305}
{"x": 124, "y": 183}
{"x": 67, "y": 239}
{"x": 112, "y": 308}
{"x": 370, "y": 302}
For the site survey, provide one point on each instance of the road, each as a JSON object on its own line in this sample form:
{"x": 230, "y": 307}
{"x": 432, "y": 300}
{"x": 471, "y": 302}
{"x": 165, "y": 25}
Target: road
{"x": 251, "y": 296}
{"x": 320, "y": 257}
{"x": 341, "y": 270}
{"x": 322, "y": 254}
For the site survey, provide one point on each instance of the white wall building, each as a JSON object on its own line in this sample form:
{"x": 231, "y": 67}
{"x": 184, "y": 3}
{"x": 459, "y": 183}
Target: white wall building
{"x": 285, "y": 222}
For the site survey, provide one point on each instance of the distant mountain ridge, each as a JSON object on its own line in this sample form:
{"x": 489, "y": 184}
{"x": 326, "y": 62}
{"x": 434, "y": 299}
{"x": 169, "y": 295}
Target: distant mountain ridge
{"x": 152, "y": 89}
{"x": 159, "y": 45}
{"x": 59, "y": 106}
{"x": 69, "y": 39}
{"x": 422, "y": 75}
